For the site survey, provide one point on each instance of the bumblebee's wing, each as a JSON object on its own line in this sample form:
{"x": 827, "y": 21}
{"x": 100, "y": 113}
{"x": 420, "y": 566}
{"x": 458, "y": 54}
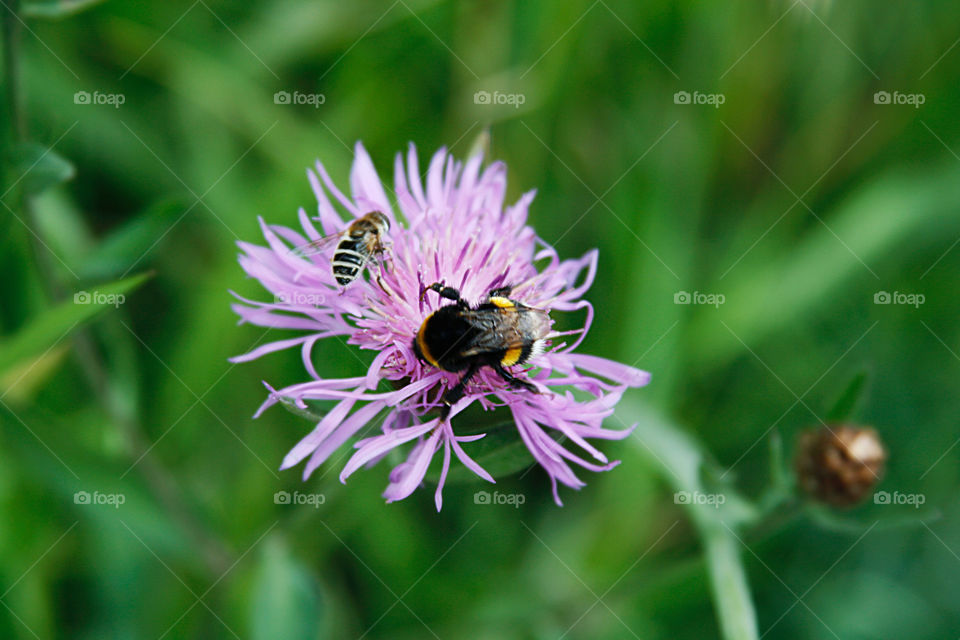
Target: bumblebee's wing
{"x": 317, "y": 246}
{"x": 504, "y": 329}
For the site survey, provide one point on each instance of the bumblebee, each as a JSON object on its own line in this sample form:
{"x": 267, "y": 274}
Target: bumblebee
{"x": 498, "y": 333}
{"x": 359, "y": 245}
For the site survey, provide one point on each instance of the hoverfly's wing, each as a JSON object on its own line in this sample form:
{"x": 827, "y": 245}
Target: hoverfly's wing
{"x": 504, "y": 329}
{"x": 317, "y": 246}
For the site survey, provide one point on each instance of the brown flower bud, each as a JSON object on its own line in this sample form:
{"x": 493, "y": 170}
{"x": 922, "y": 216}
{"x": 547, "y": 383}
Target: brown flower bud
{"x": 840, "y": 464}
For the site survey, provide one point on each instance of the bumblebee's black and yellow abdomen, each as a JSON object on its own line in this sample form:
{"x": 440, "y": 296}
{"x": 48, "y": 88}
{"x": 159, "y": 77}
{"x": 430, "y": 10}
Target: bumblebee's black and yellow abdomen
{"x": 442, "y": 338}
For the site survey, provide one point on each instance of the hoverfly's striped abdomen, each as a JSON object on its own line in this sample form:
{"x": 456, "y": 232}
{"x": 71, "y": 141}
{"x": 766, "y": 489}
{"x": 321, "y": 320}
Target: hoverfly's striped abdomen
{"x": 357, "y": 246}
{"x": 347, "y": 261}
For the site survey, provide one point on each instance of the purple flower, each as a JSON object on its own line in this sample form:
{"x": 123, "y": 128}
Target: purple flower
{"x": 456, "y": 230}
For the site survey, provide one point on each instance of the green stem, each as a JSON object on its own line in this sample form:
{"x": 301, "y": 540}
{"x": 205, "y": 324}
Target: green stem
{"x": 679, "y": 460}
{"x": 728, "y": 580}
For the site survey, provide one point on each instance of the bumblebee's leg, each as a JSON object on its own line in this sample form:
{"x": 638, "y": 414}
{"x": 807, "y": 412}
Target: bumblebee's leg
{"x": 512, "y": 381}
{"x": 501, "y": 292}
{"x": 455, "y": 393}
{"x": 447, "y": 292}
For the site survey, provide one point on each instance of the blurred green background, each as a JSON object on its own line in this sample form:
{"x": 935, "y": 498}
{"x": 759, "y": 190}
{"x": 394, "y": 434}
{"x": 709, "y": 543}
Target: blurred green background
{"x": 797, "y": 200}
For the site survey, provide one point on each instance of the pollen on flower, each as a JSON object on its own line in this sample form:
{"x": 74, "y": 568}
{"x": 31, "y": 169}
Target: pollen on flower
{"x": 456, "y": 231}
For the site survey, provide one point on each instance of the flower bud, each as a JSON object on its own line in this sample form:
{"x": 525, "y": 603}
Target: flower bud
{"x": 840, "y": 464}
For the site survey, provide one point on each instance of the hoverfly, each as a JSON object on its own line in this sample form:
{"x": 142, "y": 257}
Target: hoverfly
{"x": 499, "y": 332}
{"x": 359, "y": 245}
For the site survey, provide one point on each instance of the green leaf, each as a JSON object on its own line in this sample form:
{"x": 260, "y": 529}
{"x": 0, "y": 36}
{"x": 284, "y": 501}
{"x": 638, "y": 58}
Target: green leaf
{"x": 768, "y": 294}
{"x": 780, "y": 490}
{"x": 480, "y": 144}
{"x": 779, "y": 471}
{"x": 126, "y": 246}
{"x": 285, "y": 602}
{"x": 40, "y": 168}
{"x": 52, "y": 326}
{"x": 501, "y": 452}
{"x": 57, "y": 9}
{"x": 827, "y": 519}
{"x": 845, "y": 405}
{"x": 63, "y": 227}
{"x": 313, "y": 411}
{"x": 19, "y": 383}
